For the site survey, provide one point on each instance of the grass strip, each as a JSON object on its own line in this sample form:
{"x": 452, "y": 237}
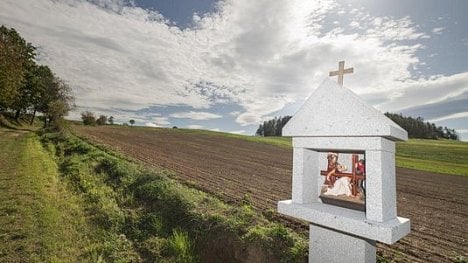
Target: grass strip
{"x": 146, "y": 215}
{"x": 39, "y": 220}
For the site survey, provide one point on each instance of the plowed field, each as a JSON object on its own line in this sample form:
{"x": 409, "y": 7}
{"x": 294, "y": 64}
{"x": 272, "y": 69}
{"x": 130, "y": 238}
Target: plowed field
{"x": 230, "y": 168}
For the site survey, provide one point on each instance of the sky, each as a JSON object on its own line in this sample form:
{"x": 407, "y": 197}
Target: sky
{"x": 229, "y": 65}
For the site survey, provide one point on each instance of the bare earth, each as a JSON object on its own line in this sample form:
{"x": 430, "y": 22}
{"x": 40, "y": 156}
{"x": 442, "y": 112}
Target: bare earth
{"x": 229, "y": 168}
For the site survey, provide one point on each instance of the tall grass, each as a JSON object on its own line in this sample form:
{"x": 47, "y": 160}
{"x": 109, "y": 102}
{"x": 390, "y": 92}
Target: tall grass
{"x": 143, "y": 214}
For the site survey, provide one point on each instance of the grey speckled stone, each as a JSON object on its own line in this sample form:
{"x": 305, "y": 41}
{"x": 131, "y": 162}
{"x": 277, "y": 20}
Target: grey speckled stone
{"x": 332, "y": 111}
{"x": 347, "y": 221}
{"x": 335, "y": 119}
{"x": 331, "y": 246}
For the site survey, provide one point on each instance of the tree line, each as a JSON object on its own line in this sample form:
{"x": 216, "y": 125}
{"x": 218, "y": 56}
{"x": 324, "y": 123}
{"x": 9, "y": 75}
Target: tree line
{"x": 89, "y": 118}
{"x": 273, "y": 127}
{"x": 416, "y": 127}
{"x": 27, "y": 87}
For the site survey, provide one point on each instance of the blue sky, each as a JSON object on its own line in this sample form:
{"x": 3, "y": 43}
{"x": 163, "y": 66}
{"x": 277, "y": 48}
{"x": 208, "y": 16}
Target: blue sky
{"x": 228, "y": 65}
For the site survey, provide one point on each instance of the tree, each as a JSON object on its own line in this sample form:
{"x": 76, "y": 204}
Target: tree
{"x": 102, "y": 120}
{"x": 88, "y": 118}
{"x": 16, "y": 55}
{"x": 111, "y": 120}
{"x": 57, "y": 110}
{"x": 38, "y": 80}
{"x": 273, "y": 127}
{"x": 56, "y": 102}
{"x": 417, "y": 128}
{"x": 26, "y": 86}
{"x": 132, "y": 122}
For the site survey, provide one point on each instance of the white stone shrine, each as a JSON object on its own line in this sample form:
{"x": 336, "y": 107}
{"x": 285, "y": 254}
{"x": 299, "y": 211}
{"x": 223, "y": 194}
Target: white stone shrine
{"x": 334, "y": 119}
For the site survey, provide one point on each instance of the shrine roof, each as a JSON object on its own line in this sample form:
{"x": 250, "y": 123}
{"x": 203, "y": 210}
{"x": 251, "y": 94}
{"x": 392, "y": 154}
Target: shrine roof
{"x": 332, "y": 111}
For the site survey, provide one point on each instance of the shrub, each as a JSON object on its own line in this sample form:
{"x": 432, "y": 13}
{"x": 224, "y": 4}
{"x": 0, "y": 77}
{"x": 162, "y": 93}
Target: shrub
{"x": 102, "y": 120}
{"x": 88, "y": 118}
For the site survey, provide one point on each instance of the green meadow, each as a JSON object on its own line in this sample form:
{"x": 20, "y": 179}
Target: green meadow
{"x": 440, "y": 156}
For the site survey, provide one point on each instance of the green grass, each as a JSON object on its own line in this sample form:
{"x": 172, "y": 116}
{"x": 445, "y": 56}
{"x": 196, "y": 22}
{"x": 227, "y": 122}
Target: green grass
{"x": 146, "y": 214}
{"x": 441, "y": 156}
{"x": 39, "y": 220}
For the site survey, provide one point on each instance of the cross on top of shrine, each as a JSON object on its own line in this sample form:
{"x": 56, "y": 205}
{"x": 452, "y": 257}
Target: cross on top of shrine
{"x": 340, "y": 72}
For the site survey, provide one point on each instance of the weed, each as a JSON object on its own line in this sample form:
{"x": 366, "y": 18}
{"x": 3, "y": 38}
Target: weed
{"x": 180, "y": 247}
{"x": 460, "y": 259}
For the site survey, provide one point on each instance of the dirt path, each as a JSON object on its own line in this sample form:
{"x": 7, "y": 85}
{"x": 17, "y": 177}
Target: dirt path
{"x": 230, "y": 168}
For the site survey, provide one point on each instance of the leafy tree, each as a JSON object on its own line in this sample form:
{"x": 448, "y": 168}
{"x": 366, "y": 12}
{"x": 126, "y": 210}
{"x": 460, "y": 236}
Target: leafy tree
{"x": 38, "y": 81}
{"x": 111, "y": 120}
{"x": 56, "y": 111}
{"x": 56, "y": 102}
{"x": 16, "y": 56}
{"x": 273, "y": 127}
{"x": 88, "y": 118}
{"x": 26, "y": 86}
{"x": 102, "y": 120}
{"x": 417, "y": 128}
{"x": 132, "y": 122}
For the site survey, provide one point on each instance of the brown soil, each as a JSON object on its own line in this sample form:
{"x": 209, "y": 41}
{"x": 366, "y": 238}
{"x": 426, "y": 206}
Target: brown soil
{"x": 230, "y": 168}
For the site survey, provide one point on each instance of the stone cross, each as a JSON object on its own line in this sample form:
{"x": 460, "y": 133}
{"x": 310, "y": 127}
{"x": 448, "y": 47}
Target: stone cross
{"x": 340, "y": 72}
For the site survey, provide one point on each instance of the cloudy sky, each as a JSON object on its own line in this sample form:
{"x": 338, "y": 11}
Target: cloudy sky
{"x": 228, "y": 65}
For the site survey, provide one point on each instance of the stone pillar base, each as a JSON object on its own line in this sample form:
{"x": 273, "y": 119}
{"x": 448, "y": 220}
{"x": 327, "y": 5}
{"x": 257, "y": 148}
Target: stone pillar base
{"x": 327, "y": 245}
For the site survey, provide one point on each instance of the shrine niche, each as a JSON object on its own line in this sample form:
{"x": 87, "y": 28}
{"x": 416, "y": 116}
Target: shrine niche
{"x": 343, "y": 176}
{"x": 344, "y": 179}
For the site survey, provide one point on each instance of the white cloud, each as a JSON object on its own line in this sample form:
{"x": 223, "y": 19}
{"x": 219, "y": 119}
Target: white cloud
{"x": 150, "y": 124}
{"x": 194, "y": 126}
{"x": 451, "y": 116}
{"x": 424, "y": 91}
{"x": 238, "y": 132}
{"x": 195, "y": 115}
{"x": 438, "y": 30}
{"x": 260, "y": 55}
{"x": 162, "y": 121}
